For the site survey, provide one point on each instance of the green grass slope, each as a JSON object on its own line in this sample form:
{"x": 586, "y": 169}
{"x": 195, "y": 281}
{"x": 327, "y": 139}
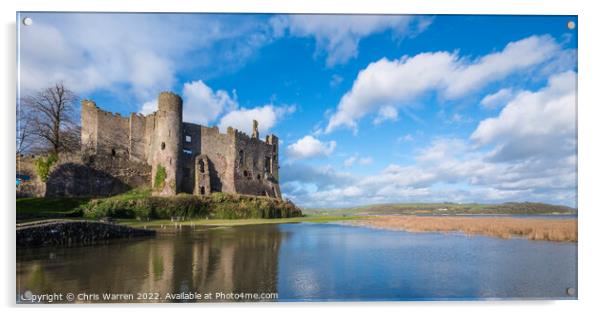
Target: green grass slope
{"x": 139, "y": 204}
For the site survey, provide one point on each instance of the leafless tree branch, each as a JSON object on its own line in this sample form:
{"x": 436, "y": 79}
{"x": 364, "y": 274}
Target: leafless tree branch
{"x": 50, "y": 118}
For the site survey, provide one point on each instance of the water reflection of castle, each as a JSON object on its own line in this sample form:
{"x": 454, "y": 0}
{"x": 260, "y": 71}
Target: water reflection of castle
{"x": 226, "y": 260}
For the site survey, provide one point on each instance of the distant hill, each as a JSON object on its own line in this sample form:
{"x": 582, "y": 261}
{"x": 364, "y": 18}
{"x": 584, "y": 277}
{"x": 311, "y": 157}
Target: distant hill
{"x": 445, "y": 209}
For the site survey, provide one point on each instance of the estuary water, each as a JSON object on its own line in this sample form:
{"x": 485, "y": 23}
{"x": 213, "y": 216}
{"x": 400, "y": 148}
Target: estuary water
{"x": 299, "y": 262}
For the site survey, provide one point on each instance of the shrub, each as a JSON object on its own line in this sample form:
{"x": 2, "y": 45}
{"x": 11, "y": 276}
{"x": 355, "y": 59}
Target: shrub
{"x": 43, "y": 166}
{"x": 185, "y": 206}
{"x": 160, "y": 176}
{"x": 111, "y": 208}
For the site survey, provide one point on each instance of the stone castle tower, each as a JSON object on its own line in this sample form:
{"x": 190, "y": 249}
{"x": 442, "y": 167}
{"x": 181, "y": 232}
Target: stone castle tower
{"x": 167, "y": 142}
{"x": 184, "y": 157}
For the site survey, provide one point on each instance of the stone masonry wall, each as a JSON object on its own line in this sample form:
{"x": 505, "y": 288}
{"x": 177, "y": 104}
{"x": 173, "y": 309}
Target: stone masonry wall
{"x": 219, "y": 149}
{"x": 255, "y": 165}
{"x": 54, "y": 233}
{"x": 89, "y": 126}
{"x": 137, "y": 138}
{"x": 191, "y": 148}
{"x": 32, "y": 187}
{"x": 113, "y": 138}
{"x": 110, "y": 134}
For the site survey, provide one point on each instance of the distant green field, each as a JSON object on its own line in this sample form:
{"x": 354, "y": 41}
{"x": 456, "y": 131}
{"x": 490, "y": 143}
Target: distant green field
{"x": 444, "y": 209}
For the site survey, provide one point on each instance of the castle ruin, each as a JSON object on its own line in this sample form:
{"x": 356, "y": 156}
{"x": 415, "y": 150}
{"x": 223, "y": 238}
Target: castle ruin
{"x": 182, "y": 157}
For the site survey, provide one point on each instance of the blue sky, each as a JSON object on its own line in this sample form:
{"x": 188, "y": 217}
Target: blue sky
{"x": 369, "y": 109}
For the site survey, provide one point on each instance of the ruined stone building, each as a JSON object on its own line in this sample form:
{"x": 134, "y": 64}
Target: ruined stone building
{"x": 181, "y": 156}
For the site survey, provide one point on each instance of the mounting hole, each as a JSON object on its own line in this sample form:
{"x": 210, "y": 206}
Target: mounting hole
{"x": 570, "y": 291}
{"x": 27, "y": 21}
{"x": 571, "y": 25}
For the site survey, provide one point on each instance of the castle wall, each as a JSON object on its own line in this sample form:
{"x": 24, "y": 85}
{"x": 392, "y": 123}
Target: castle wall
{"x": 104, "y": 133}
{"x": 73, "y": 175}
{"x": 191, "y": 148}
{"x": 113, "y": 139}
{"x": 202, "y": 180}
{"x": 219, "y": 149}
{"x": 256, "y": 163}
{"x": 138, "y": 140}
{"x": 89, "y": 129}
{"x": 275, "y": 166}
{"x": 149, "y": 138}
{"x": 33, "y": 187}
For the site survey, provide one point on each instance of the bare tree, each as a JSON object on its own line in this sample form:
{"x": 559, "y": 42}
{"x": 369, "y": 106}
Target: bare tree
{"x": 71, "y": 139}
{"x": 52, "y": 112}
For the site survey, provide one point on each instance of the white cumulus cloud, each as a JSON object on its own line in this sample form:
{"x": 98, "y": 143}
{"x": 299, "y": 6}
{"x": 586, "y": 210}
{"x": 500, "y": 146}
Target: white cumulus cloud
{"x": 525, "y": 153}
{"x": 309, "y": 147}
{"x": 266, "y": 116}
{"x": 534, "y": 123}
{"x": 148, "y": 107}
{"x": 386, "y": 113}
{"x": 339, "y": 35}
{"x": 203, "y": 105}
{"x": 349, "y": 162}
{"x": 386, "y": 84}
{"x": 132, "y": 56}
{"x": 497, "y": 99}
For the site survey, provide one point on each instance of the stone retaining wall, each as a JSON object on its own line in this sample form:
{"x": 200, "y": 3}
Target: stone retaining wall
{"x": 65, "y": 233}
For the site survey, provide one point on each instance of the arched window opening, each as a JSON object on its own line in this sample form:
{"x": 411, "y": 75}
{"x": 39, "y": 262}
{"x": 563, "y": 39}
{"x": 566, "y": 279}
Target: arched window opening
{"x": 113, "y": 152}
{"x": 202, "y": 190}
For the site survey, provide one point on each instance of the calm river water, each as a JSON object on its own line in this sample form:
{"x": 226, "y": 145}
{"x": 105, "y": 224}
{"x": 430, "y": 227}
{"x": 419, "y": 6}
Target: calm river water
{"x": 303, "y": 262}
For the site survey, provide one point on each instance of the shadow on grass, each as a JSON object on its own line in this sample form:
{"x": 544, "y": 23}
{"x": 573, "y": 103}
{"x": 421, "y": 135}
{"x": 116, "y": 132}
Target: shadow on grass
{"x": 44, "y": 208}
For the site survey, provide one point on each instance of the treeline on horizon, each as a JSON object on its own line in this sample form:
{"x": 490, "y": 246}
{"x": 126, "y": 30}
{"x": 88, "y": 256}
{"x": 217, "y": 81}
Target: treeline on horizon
{"x": 446, "y": 208}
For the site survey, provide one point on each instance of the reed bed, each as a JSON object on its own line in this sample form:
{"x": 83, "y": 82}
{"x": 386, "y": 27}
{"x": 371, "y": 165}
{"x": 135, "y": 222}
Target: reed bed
{"x": 559, "y": 230}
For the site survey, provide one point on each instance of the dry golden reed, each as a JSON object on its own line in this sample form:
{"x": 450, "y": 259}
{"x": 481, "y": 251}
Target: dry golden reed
{"x": 562, "y": 230}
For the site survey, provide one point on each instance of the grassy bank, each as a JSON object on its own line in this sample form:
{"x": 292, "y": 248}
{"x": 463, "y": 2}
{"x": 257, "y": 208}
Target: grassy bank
{"x": 187, "y": 206}
{"x": 140, "y": 205}
{"x": 563, "y": 230}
